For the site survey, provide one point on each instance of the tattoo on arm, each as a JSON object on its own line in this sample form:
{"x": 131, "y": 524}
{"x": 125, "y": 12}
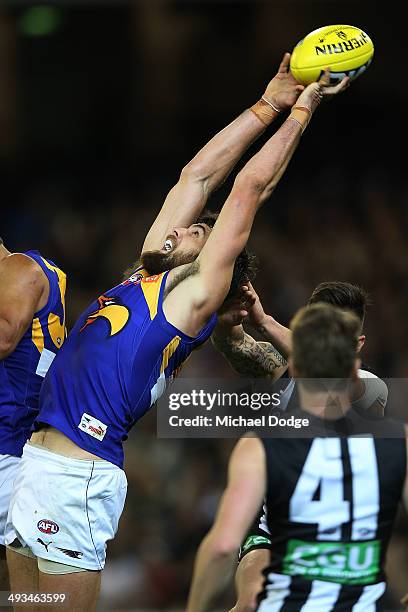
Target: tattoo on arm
{"x": 249, "y": 357}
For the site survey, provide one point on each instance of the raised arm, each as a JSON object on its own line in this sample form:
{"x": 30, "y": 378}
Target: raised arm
{"x": 24, "y": 290}
{"x": 190, "y": 304}
{"x": 213, "y": 163}
{"x": 247, "y": 356}
{"x": 241, "y": 500}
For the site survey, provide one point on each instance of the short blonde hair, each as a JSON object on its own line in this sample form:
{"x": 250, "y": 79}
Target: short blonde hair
{"x": 324, "y": 341}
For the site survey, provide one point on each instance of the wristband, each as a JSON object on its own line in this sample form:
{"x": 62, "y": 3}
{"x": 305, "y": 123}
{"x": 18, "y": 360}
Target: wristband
{"x": 265, "y": 111}
{"x": 275, "y": 108}
{"x": 302, "y": 116}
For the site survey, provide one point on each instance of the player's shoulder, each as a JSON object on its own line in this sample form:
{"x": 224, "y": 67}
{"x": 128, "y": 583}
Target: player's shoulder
{"x": 365, "y": 373}
{"x": 22, "y": 268}
{"x": 20, "y": 262}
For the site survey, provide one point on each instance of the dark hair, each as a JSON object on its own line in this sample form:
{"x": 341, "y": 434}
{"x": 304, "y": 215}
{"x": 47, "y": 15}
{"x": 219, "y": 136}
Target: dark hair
{"x": 324, "y": 341}
{"x": 245, "y": 268}
{"x": 1, "y": 241}
{"x": 343, "y": 295}
{"x": 246, "y": 264}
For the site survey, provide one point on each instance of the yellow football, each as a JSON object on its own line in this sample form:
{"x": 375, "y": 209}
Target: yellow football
{"x": 345, "y": 49}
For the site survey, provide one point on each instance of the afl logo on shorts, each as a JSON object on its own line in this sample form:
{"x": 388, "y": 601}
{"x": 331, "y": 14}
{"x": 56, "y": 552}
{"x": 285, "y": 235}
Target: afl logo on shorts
{"x": 46, "y": 526}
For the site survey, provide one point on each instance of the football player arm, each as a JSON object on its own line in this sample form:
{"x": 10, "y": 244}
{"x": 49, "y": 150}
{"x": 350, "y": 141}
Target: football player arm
{"x": 277, "y": 335}
{"x": 24, "y": 290}
{"x": 190, "y": 304}
{"x": 273, "y": 332}
{"x": 247, "y": 356}
{"x": 249, "y": 578}
{"x": 202, "y": 292}
{"x": 201, "y": 176}
{"x": 238, "y": 507}
{"x": 213, "y": 163}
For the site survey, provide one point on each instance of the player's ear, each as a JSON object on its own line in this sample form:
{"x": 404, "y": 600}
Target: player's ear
{"x": 360, "y": 342}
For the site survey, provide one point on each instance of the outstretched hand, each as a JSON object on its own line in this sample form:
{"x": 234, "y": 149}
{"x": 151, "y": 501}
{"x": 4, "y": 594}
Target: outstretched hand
{"x": 283, "y": 90}
{"x": 245, "y": 306}
{"x": 235, "y": 310}
{"x": 256, "y": 314}
{"x": 332, "y": 90}
{"x": 315, "y": 92}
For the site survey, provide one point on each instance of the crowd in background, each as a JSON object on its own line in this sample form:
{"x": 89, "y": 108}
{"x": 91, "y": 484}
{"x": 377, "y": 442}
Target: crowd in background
{"x": 174, "y": 485}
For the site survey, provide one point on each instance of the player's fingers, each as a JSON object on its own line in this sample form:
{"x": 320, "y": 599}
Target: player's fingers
{"x": 285, "y": 63}
{"x": 325, "y": 78}
{"x": 299, "y": 88}
{"x": 344, "y": 83}
{"x": 235, "y": 316}
{"x": 248, "y": 305}
{"x": 250, "y": 296}
{"x": 335, "y": 89}
{"x": 238, "y": 316}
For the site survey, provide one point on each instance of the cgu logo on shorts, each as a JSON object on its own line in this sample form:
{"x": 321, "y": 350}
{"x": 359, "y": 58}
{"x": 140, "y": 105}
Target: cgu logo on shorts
{"x": 92, "y": 426}
{"x": 46, "y": 526}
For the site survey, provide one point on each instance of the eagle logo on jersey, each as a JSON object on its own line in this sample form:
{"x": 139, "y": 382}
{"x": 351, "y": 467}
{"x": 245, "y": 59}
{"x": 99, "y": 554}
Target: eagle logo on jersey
{"x": 116, "y": 314}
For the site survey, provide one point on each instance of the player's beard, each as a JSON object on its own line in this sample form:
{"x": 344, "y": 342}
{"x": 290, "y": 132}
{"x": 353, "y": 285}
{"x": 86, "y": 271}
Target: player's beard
{"x": 156, "y": 262}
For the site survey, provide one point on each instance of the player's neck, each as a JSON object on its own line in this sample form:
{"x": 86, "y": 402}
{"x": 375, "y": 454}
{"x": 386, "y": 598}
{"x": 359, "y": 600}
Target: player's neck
{"x": 324, "y": 404}
{"x": 3, "y": 252}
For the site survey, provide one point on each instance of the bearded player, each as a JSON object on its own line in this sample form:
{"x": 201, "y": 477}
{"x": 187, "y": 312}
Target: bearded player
{"x": 262, "y": 359}
{"x": 331, "y": 502}
{"x": 125, "y": 347}
{"x": 32, "y": 330}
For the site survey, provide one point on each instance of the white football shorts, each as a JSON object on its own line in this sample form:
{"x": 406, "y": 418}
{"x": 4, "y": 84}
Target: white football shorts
{"x": 8, "y": 470}
{"x": 65, "y": 510}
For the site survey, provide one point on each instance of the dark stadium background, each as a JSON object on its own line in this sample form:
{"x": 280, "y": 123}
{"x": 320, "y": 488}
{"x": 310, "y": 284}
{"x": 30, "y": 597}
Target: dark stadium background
{"x": 100, "y": 107}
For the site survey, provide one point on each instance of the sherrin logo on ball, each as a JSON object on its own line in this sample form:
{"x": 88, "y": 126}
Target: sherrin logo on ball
{"x": 345, "y": 49}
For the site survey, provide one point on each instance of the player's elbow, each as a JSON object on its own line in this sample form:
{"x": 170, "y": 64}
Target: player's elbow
{"x": 250, "y": 183}
{"x": 8, "y": 338}
{"x": 223, "y": 545}
{"x": 195, "y": 171}
{"x": 6, "y": 346}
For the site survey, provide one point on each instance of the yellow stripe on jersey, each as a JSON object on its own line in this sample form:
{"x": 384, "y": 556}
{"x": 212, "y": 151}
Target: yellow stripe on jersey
{"x": 56, "y": 330}
{"x": 37, "y": 335}
{"x": 151, "y": 291}
{"x": 168, "y": 352}
{"x": 56, "y": 327}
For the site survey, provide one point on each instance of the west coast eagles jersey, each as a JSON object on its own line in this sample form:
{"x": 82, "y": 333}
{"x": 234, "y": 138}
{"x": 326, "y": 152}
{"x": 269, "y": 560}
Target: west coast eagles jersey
{"x": 115, "y": 365}
{"x": 22, "y": 372}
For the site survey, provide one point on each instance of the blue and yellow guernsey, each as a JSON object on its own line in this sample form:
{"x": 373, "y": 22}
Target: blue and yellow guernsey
{"x": 115, "y": 365}
{"x": 22, "y": 373}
